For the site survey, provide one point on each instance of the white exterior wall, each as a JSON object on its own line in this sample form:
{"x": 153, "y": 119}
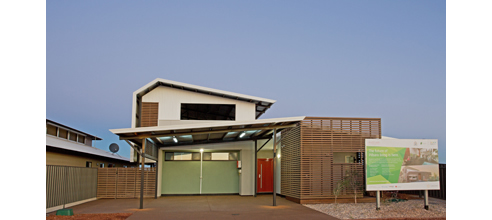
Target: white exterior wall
{"x": 247, "y": 157}
{"x": 170, "y": 100}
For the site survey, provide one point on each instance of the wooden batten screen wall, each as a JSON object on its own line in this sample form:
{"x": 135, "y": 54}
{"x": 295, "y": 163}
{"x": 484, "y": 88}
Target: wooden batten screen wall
{"x": 66, "y": 184}
{"x": 319, "y": 139}
{"x": 290, "y": 171}
{"x": 120, "y": 182}
{"x": 151, "y": 149}
{"x": 150, "y": 112}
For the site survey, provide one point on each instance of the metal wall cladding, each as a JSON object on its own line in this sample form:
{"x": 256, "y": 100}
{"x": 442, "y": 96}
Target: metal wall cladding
{"x": 65, "y": 184}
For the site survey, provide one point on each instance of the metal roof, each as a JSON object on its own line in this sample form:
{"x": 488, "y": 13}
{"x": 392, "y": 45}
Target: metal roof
{"x": 60, "y": 143}
{"x": 262, "y": 104}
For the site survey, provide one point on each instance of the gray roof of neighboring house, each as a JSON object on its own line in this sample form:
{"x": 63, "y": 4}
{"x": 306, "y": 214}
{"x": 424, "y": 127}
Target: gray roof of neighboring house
{"x": 65, "y": 144}
{"x": 60, "y": 143}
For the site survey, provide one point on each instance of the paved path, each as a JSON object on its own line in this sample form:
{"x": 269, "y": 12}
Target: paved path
{"x": 204, "y": 207}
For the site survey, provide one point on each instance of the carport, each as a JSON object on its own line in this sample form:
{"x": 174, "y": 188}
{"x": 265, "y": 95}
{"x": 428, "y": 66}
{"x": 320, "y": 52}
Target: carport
{"x": 150, "y": 142}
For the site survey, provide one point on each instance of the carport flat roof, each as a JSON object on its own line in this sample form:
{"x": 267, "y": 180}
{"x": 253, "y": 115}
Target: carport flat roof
{"x": 201, "y": 133}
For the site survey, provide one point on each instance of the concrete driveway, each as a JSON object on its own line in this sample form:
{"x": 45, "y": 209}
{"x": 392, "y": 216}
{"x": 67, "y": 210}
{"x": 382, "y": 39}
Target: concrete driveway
{"x": 204, "y": 207}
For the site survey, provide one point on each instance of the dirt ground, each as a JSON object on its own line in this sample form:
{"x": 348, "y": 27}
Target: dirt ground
{"x": 110, "y": 216}
{"x": 404, "y": 219}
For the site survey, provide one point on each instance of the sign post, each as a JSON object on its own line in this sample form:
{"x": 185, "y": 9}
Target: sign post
{"x": 378, "y": 201}
{"x": 401, "y": 164}
{"x": 426, "y": 199}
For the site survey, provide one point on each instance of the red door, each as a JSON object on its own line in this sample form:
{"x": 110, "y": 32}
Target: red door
{"x": 265, "y": 175}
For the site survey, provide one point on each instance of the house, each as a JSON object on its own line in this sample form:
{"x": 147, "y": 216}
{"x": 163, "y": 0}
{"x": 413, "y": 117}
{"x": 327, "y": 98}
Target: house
{"x": 209, "y": 141}
{"x": 67, "y": 146}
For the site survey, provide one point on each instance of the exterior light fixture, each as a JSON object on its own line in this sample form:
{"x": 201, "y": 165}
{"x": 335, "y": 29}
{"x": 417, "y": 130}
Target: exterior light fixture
{"x": 201, "y": 150}
{"x": 175, "y": 140}
{"x": 242, "y": 134}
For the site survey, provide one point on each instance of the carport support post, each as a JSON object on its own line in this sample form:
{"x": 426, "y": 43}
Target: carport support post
{"x": 426, "y": 199}
{"x": 256, "y": 167}
{"x": 274, "y": 166}
{"x": 156, "y": 175}
{"x": 144, "y": 142}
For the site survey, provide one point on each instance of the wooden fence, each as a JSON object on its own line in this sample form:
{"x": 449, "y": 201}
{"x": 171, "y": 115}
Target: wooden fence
{"x": 66, "y": 184}
{"x": 439, "y": 194}
{"x": 120, "y": 182}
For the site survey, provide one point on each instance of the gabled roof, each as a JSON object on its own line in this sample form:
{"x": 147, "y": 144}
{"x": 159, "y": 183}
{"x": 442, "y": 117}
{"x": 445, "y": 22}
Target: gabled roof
{"x": 262, "y": 104}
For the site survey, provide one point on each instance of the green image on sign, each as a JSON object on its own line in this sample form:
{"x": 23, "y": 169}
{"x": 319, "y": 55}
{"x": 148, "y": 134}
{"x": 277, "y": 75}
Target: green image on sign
{"x": 384, "y": 164}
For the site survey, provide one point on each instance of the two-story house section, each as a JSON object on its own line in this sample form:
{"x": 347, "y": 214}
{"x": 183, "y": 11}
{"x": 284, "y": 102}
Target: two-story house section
{"x": 209, "y": 141}
{"x": 164, "y": 102}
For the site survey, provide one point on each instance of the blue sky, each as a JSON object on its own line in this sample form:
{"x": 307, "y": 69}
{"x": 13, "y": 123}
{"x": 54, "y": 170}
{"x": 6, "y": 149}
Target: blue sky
{"x": 382, "y": 59}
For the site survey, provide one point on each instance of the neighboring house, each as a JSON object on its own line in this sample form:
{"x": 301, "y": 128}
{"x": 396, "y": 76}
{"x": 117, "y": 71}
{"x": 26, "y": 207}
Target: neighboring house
{"x": 70, "y": 147}
{"x": 209, "y": 141}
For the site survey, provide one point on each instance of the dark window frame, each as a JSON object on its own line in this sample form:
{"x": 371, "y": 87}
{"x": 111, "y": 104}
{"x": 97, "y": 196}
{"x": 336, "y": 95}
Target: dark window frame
{"x": 206, "y": 111}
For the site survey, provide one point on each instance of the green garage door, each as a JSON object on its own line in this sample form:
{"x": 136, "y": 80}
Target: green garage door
{"x": 180, "y": 177}
{"x": 220, "y": 177}
{"x": 183, "y": 177}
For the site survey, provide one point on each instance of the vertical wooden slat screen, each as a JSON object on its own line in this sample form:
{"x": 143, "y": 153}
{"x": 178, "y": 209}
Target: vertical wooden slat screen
{"x": 66, "y": 184}
{"x": 151, "y": 149}
{"x": 120, "y": 182}
{"x": 150, "y": 112}
{"x": 319, "y": 139}
{"x": 291, "y": 162}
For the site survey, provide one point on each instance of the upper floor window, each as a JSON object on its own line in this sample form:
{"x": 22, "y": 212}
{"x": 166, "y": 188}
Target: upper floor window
{"x": 81, "y": 139}
{"x": 191, "y": 111}
{"x": 72, "y": 136}
{"x": 51, "y": 130}
{"x": 65, "y": 134}
{"x": 62, "y": 133}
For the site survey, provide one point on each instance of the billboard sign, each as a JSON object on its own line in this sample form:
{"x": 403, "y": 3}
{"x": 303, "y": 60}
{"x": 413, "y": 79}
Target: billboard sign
{"x": 401, "y": 164}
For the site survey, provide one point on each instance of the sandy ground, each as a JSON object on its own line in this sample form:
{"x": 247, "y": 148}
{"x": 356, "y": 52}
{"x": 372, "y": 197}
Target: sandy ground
{"x": 411, "y": 209}
{"x": 109, "y": 216}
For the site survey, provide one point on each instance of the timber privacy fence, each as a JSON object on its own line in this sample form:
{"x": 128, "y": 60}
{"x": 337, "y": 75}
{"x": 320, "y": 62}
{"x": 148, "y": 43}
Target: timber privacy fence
{"x": 120, "y": 182}
{"x": 66, "y": 184}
